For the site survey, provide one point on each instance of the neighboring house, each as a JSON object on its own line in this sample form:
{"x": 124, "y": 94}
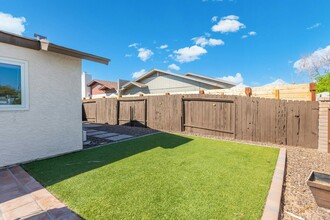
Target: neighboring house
{"x": 101, "y": 88}
{"x": 159, "y": 81}
{"x": 40, "y": 98}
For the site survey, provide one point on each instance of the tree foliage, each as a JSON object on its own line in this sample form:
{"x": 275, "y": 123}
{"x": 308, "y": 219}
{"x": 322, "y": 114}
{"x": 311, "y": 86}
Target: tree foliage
{"x": 323, "y": 83}
{"x": 8, "y": 91}
{"x": 314, "y": 64}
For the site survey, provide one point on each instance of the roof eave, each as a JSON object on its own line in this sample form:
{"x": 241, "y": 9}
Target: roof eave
{"x": 211, "y": 79}
{"x": 34, "y": 44}
{"x": 78, "y": 54}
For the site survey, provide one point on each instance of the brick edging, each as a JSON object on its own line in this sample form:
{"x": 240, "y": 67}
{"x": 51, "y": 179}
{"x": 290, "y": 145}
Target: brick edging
{"x": 272, "y": 208}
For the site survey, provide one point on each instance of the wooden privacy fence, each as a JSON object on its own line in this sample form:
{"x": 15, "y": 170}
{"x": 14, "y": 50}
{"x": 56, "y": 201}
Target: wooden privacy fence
{"x": 244, "y": 118}
{"x": 294, "y": 92}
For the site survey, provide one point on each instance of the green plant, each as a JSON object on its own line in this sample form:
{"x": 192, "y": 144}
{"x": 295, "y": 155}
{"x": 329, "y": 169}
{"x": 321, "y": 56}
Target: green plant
{"x": 323, "y": 83}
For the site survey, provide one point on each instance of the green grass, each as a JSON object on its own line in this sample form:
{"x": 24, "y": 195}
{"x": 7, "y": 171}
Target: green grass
{"x": 163, "y": 176}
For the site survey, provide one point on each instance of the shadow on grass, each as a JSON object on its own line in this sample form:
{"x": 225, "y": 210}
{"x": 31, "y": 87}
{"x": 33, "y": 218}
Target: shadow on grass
{"x": 54, "y": 170}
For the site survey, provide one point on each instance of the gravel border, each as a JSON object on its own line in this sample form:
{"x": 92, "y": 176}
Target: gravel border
{"x": 298, "y": 201}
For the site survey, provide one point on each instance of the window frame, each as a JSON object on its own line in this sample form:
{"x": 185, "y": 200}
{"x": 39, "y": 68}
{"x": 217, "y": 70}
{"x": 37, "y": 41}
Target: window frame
{"x": 24, "y": 84}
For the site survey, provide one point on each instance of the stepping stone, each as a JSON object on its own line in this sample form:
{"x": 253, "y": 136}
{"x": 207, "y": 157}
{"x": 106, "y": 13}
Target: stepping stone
{"x": 106, "y": 135}
{"x": 91, "y": 125}
{"x": 96, "y": 133}
{"x": 119, "y": 137}
{"x": 87, "y": 143}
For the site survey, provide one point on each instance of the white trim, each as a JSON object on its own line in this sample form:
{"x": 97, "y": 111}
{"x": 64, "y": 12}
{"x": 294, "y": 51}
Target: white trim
{"x": 24, "y": 85}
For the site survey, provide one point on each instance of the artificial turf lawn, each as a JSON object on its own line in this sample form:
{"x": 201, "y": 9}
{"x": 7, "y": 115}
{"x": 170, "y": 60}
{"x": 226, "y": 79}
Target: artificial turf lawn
{"x": 162, "y": 176}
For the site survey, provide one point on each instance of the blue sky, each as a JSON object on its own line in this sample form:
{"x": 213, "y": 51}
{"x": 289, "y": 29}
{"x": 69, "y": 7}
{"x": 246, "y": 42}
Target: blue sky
{"x": 278, "y": 33}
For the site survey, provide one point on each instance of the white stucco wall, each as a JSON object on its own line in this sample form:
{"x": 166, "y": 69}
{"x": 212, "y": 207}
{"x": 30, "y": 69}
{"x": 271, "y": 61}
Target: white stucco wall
{"x": 85, "y": 79}
{"x": 52, "y": 125}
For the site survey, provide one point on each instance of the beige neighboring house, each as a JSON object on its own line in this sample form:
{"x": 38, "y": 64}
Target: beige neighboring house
{"x": 37, "y": 116}
{"x": 160, "y": 82}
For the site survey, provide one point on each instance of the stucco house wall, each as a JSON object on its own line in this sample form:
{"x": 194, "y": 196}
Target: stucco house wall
{"x": 85, "y": 79}
{"x": 52, "y": 124}
{"x": 163, "y": 83}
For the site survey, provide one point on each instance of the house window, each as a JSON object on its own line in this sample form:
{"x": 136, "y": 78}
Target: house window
{"x": 13, "y": 84}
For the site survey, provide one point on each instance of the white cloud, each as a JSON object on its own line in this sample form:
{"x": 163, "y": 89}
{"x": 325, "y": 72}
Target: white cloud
{"x": 229, "y": 23}
{"x": 231, "y": 17}
{"x": 163, "y": 46}
{"x": 215, "y": 42}
{"x": 237, "y": 79}
{"x": 251, "y": 33}
{"x": 314, "y": 26}
{"x": 138, "y": 73}
{"x": 207, "y": 34}
{"x": 189, "y": 54}
{"x": 202, "y": 41}
{"x": 319, "y": 60}
{"x": 214, "y": 18}
{"x": 174, "y": 67}
{"x": 145, "y": 54}
{"x": 12, "y": 24}
{"x": 135, "y": 45}
{"x": 128, "y": 55}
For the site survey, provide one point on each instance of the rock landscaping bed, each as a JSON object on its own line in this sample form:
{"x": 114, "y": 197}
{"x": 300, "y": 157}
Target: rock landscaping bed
{"x": 298, "y": 201}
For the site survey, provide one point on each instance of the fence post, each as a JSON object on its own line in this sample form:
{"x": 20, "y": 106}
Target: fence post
{"x": 248, "y": 91}
{"x": 312, "y": 89}
{"x": 277, "y": 94}
{"x": 324, "y": 132}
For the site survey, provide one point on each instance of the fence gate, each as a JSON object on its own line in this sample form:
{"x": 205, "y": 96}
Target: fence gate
{"x": 132, "y": 112}
{"x": 89, "y": 111}
{"x": 209, "y": 116}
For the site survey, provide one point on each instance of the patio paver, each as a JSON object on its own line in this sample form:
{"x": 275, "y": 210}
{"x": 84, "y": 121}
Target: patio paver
{"x": 107, "y": 135}
{"x": 22, "y": 197}
{"x": 90, "y": 130}
{"x": 119, "y": 137}
{"x": 96, "y": 133}
{"x": 90, "y": 125}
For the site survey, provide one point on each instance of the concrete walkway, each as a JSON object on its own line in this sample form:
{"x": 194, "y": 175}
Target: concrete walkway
{"x": 22, "y": 197}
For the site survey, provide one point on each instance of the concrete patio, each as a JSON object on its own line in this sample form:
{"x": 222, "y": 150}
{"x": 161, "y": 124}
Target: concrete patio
{"x": 22, "y": 197}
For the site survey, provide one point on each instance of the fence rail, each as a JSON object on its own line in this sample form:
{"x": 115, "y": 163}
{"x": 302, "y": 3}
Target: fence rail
{"x": 243, "y": 118}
